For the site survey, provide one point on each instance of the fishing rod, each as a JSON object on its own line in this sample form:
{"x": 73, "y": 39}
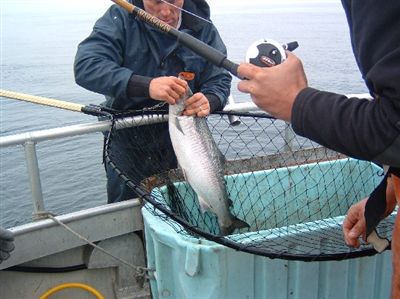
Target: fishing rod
{"x": 209, "y": 53}
{"x": 264, "y": 53}
{"x": 214, "y": 56}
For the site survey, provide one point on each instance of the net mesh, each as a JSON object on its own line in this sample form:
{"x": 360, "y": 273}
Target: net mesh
{"x": 292, "y": 192}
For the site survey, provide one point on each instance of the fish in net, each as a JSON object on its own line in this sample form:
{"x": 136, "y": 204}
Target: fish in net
{"x": 292, "y": 192}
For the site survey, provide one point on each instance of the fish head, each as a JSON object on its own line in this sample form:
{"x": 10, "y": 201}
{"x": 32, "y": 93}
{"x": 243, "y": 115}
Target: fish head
{"x": 179, "y": 107}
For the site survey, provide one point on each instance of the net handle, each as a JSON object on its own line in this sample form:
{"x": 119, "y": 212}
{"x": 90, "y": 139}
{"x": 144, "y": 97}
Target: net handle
{"x": 91, "y": 109}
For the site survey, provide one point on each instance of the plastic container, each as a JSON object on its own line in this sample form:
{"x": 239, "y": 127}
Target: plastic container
{"x": 191, "y": 268}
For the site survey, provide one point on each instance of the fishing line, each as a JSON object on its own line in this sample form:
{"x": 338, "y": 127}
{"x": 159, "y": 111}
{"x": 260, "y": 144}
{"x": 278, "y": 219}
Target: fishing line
{"x": 204, "y": 50}
{"x": 199, "y": 47}
{"x": 186, "y": 11}
{"x": 286, "y": 191}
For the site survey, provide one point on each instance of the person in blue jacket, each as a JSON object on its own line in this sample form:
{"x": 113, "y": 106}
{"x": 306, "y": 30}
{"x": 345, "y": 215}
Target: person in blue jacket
{"x": 360, "y": 128}
{"x": 136, "y": 66}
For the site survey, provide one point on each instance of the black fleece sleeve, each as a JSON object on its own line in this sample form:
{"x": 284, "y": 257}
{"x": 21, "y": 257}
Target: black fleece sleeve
{"x": 138, "y": 86}
{"x": 215, "y": 103}
{"x": 359, "y": 128}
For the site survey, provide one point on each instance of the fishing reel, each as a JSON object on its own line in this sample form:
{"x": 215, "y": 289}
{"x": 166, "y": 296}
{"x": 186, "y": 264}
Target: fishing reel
{"x": 268, "y": 52}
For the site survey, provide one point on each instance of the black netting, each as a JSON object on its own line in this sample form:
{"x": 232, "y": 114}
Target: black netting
{"x": 292, "y": 192}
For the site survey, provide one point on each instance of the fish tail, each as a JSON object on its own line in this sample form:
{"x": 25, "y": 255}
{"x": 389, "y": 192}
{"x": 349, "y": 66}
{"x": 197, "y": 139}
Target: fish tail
{"x": 236, "y": 224}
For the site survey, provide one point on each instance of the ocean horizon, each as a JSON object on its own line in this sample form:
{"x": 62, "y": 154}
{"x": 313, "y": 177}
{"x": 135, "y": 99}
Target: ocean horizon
{"x": 38, "y": 45}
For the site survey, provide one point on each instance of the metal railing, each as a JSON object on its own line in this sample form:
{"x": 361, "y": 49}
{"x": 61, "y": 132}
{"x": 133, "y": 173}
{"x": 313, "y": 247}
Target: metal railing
{"x": 29, "y": 141}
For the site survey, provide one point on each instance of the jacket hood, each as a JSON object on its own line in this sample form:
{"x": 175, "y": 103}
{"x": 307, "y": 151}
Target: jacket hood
{"x": 198, "y": 7}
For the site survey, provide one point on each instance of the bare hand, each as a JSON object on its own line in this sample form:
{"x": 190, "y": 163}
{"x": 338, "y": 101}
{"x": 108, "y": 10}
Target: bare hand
{"x": 167, "y": 89}
{"x": 274, "y": 89}
{"x": 354, "y": 225}
{"x": 197, "y": 105}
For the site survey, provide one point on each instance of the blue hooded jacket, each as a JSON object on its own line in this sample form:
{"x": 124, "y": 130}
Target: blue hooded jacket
{"x": 120, "y": 58}
{"x": 122, "y": 55}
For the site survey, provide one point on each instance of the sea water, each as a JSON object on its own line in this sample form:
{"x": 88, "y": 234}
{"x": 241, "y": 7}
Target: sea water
{"x": 38, "y": 45}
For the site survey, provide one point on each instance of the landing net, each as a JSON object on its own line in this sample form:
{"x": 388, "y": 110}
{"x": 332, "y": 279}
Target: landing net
{"x": 292, "y": 192}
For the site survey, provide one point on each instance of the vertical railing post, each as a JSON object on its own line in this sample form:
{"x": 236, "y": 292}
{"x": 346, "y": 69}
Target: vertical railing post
{"x": 34, "y": 177}
{"x": 289, "y": 137}
{"x": 233, "y": 119}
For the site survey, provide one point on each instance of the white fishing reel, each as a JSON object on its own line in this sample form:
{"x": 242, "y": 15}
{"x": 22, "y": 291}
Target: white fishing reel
{"x": 268, "y": 52}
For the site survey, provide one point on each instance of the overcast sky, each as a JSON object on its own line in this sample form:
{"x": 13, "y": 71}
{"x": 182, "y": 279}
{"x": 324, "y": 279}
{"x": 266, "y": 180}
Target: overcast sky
{"x": 221, "y": 3}
{"x": 9, "y": 6}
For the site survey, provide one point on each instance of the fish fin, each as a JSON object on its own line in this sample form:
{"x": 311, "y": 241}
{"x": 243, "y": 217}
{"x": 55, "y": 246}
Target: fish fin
{"x": 204, "y": 205}
{"x": 221, "y": 155}
{"x": 178, "y": 125}
{"x": 176, "y": 202}
{"x": 236, "y": 224}
{"x": 184, "y": 173}
{"x": 222, "y": 158}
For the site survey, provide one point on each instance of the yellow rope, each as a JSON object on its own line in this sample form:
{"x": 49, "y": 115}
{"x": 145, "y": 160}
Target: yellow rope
{"x": 41, "y": 100}
{"x": 72, "y": 285}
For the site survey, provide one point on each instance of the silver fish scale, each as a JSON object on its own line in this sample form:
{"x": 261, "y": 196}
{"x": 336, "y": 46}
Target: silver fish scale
{"x": 201, "y": 162}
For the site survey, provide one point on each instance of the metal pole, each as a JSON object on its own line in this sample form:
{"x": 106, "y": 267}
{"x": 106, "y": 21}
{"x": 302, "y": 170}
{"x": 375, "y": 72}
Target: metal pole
{"x": 289, "y": 137}
{"x": 233, "y": 119}
{"x": 34, "y": 176}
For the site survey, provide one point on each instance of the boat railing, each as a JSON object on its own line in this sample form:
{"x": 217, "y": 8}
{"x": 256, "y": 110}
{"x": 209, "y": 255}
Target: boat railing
{"x": 29, "y": 140}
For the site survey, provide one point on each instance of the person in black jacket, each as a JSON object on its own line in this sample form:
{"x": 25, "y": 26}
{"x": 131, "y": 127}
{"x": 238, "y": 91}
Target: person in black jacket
{"x": 136, "y": 66}
{"x": 360, "y": 128}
